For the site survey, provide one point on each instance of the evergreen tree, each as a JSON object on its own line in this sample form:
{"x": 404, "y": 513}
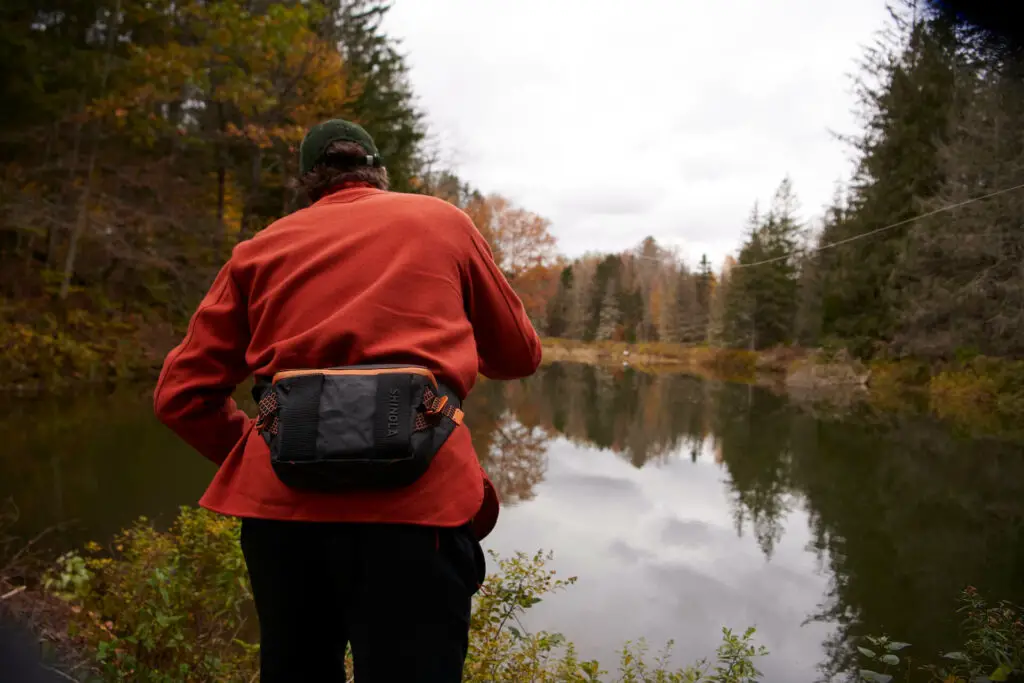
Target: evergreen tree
{"x": 760, "y": 310}
{"x": 608, "y": 321}
{"x": 692, "y": 319}
{"x": 581, "y": 295}
{"x": 559, "y": 305}
{"x": 705, "y": 281}
{"x": 907, "y": 116}
{"x": 960, "y": 272}
{"x": 812, "y": 270}
{"x": 384, "y": 102}
{"x": 669, "y": 318}
{"x": 608, "y": 270}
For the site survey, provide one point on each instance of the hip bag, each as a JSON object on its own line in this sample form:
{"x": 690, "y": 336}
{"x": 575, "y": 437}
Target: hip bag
{"x": 354, "y": 427}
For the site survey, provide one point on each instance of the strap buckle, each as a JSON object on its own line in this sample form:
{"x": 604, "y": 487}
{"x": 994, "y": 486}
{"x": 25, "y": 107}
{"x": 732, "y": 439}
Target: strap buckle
{"x": 437, "y": 406}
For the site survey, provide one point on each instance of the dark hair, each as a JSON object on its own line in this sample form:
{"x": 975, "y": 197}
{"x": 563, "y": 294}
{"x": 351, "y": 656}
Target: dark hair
{"x": 343, "y": 163}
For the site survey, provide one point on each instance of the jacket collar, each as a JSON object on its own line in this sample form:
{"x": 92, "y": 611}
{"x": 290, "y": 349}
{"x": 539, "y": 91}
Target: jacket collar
{"x": 348, "y": 192}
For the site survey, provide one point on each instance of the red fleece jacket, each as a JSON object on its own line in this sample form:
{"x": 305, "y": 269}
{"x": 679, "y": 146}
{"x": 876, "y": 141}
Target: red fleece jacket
{"x": 361, "y": 276}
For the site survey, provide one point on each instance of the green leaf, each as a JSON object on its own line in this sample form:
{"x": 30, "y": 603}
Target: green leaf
{"x": 866, "y": 652}
{"x": 896, "y": 646}
{"x": 958, "y": 656}
{"x": 874, "y": 677}
{"x": 1001, "y": 674}
{"x": 891, "y": 660}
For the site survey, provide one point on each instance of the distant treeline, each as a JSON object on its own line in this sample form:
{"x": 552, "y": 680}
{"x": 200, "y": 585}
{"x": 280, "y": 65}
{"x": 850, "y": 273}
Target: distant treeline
{"x": 942, "y": 112}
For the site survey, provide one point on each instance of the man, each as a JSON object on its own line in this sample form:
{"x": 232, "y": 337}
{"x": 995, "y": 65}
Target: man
{"x": 362, "y": 276}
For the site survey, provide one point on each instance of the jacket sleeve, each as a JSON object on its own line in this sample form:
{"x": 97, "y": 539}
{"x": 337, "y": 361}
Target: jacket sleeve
{"x": 199, "y": 376}
{"x": 507, "y": 344}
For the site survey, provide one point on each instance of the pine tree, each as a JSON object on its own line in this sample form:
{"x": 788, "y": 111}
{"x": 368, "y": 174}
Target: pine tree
{"x": 705, "y": 281}
{"x": 610, "y": 315}
{"x": 720, "y": 297}
{"x": 960, "y": 271}
{"x": 559, "y": 305}
{"x": 669, "y": 314}
{"x": 739, "y": 306}
{"x": 583, "y": 271}
{"x": 906, "y": 118}
{"x": 812, "y": 271}
{"x": 384, "y": 103}
{"x": 760, "y": 310}
{"x": 692, "y": 320}
{"x": 608, "y": 270}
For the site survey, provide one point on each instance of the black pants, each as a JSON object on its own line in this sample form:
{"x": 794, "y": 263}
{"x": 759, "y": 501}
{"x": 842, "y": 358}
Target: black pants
{"x": 400, "y": 594}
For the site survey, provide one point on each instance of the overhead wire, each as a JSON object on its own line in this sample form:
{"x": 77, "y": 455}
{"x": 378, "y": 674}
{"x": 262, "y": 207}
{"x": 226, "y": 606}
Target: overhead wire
{"x": 884, "y": 228}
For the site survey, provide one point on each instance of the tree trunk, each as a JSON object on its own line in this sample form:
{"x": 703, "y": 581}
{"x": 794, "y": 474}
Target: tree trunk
{"x": 221, "y": 180}
{"x": 250, "y": 199}
{"x": 83, "y": 205}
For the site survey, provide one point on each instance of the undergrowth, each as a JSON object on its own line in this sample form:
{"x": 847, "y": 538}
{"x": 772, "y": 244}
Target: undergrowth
{"x": 39, "y": 349}
{"x": 176, "y": 606}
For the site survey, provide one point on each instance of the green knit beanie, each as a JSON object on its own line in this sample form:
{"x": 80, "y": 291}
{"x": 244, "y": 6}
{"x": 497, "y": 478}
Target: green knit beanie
{"x": 320, "y": 137}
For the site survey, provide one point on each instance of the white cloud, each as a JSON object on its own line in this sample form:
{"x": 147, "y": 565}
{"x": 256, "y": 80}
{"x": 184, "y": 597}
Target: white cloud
{"x": 657, "y": 555}
{"x": 617, "y": 120}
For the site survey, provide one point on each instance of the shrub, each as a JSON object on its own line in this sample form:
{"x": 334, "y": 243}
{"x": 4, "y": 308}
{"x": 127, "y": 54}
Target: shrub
{"x": 993, "y": 648}
{"x": 173, "y": 606}
{"x": 165, "y": 606}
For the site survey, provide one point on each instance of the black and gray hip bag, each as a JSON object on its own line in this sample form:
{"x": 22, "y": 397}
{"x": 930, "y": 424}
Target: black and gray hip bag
{"x": 354, "y": 428}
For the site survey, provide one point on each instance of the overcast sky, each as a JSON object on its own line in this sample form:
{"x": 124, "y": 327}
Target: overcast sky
{"x": 617, "y": 119}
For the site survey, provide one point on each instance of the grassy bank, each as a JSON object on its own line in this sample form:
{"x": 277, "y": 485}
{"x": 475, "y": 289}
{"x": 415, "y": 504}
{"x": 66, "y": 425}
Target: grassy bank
{"x": 725, "y": 363}
{"x": 176, "y": 605}
{"x": 980, "y": 395}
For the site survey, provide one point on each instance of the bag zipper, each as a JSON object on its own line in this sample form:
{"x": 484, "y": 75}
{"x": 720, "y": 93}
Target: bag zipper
{"x": 423, "y": 372}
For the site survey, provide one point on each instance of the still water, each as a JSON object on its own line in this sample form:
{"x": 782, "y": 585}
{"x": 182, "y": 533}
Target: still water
{"x": 682, "y": 505}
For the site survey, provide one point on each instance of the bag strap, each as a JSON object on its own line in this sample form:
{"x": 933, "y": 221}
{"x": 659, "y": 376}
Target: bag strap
{"x": 433, "y": 406}
{"x": 266, "y": 405}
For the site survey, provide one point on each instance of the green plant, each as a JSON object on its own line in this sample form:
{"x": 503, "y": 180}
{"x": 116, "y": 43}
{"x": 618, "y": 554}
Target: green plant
{"x": 993, "y": 647}
{"x": 502, "y": 649}
{"x": 165, "y": 606}
{"x": 882, "y": 654}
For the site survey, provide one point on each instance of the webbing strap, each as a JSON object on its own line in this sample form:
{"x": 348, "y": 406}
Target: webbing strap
{"x": 302, "y": 415}
{"x": 267, "y": 420}
{"x": 433, "y": 405}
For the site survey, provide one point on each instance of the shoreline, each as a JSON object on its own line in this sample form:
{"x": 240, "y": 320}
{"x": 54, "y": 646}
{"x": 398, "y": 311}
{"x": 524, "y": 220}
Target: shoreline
{"x": 979, "y": 395}
{"x": 982, "y": 395}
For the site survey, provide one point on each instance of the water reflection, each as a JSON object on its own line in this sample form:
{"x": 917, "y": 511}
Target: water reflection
{"x": 682, "y": 504}
{"x": 901, "y": 514}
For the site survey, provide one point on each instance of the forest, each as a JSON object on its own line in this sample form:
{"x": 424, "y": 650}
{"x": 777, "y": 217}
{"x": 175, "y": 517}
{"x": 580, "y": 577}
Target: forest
{"x": 142, "y": 139}
{"x": 886, "y": 271}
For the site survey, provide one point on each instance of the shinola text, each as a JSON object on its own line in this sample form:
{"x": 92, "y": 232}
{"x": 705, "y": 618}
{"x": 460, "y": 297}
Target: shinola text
{"x": 393, "y": 413}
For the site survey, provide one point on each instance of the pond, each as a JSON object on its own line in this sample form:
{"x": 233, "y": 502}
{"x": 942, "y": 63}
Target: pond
{"x": 682, "y": 504}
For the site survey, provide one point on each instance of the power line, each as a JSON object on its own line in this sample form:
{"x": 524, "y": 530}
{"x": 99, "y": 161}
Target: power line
{"x": 823, "y": 247}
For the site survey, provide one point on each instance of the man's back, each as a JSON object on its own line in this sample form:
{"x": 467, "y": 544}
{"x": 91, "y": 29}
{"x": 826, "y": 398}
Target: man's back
{"x": 369, "y": 276}
{"x": 362, "y": 277}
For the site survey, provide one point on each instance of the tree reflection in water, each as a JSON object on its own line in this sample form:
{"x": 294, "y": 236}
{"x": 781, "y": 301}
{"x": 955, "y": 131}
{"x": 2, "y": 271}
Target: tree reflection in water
{"x": 903, "y": 512}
